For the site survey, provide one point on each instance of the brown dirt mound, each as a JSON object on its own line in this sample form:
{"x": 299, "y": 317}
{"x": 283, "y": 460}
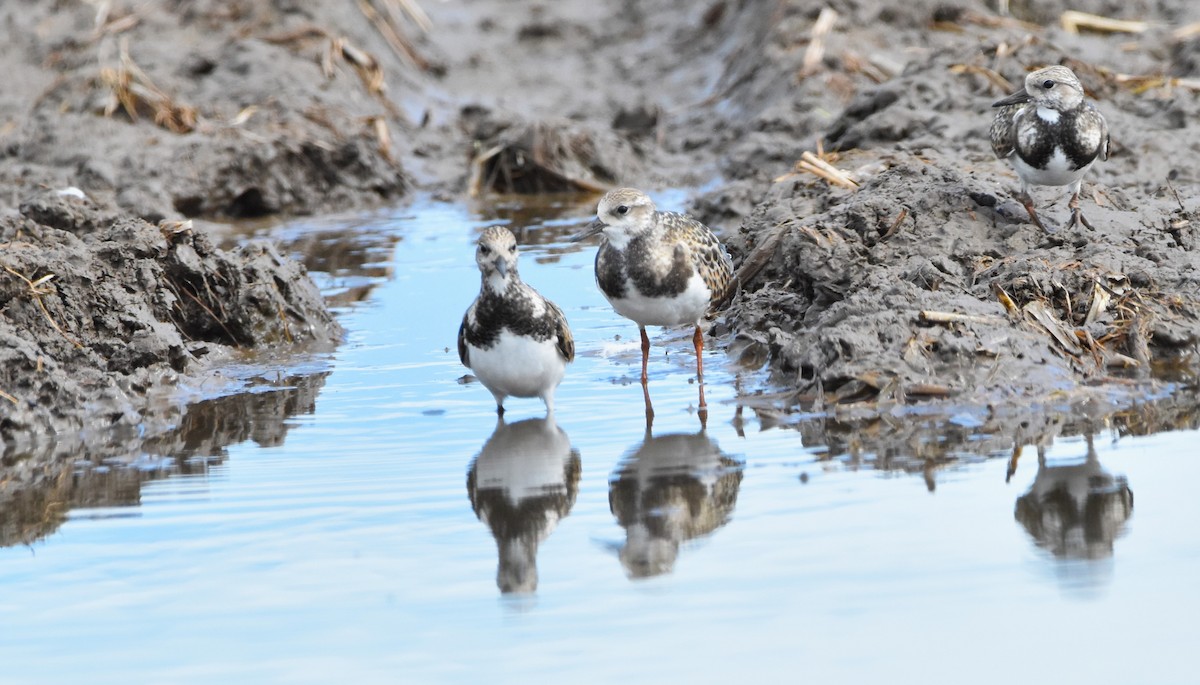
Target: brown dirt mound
{"x": 101, "y": 318}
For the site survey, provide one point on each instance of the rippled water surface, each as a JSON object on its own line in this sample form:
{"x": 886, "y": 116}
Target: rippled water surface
{"x": 368, "y": 512}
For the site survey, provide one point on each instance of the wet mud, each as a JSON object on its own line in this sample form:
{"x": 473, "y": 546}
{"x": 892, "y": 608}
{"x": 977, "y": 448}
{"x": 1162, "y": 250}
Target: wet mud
{"x": 921, "y": 283}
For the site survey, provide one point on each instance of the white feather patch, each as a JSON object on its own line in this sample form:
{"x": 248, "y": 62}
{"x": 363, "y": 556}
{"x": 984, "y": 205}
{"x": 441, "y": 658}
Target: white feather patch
{"x": 687, "y": 307}
{"x": 1050, "y": 116}
{"x": 518, "y": 366}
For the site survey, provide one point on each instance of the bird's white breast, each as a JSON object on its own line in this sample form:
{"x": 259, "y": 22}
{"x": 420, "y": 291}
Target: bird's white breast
{"x": 687, "y": 307}
{"x": 518, "y": 366}
{"x": 1058, "y": 171}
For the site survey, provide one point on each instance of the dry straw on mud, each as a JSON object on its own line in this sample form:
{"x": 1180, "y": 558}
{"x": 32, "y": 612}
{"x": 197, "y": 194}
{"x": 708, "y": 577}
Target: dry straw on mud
{"x": 132, "y": 91}
{"x": 820, "y": 165}
{"x": 36, "y": 288}
{"x": 537, "y": 158}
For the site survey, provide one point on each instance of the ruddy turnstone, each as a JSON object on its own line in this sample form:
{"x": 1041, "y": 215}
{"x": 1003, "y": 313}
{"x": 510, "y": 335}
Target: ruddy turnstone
{"x": 657, "y": 268}
{"x": 1052, "y": 135}
{"x": 516, "y": 341}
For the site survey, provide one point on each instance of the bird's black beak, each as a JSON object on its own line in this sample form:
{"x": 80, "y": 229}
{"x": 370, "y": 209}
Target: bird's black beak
{"x": 592, "y": 229}
{"x": 1014, "y": 99}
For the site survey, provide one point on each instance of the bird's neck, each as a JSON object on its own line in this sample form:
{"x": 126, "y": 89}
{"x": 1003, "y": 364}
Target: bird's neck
{"x": 1050, "y": 116}
{"x": 497, "y": 284}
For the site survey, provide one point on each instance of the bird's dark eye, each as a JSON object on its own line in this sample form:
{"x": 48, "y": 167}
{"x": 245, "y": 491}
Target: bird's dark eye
{"x": 484, "y": 249}
{"x": 622, "y": 210}
{"x": 1048, "y": 84}
{"x": 512, "y": 248}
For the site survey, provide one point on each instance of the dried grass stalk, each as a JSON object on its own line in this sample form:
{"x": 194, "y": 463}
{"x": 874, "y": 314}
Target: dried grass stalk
{"x": 1000, "y": 83}
{"x": 1073, "y": 20}
{"x": 930, "y": 316}
{"x": 134, "y": 92}
{"x": 816, "y": 44}
{"x": 36, "y": 289}
{"x": 390, "y": 30}
{"x": 1037, "y": 312}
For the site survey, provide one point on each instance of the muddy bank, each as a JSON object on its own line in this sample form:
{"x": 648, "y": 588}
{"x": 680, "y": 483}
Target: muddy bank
{"x": 126, "y": 132}
{"x": 101, "y": 316}
{"x": 178, "y": 110}
{"x": 927, "y": 280}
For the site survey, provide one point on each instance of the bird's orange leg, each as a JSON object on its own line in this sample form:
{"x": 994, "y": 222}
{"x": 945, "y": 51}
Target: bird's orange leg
{"x": 1027, "y": 200}
{"x": 698, "y": 341}
{"x": 645, "y": 353}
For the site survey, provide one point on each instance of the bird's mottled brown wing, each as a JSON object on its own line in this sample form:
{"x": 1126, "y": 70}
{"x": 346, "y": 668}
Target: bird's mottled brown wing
{"x": 1003, "y": 133}
{"x": 463, "y": 354}
{"x": 566, "y": 343}
{"x": 1092, "y": 116}
{"x": 708, "y": 255}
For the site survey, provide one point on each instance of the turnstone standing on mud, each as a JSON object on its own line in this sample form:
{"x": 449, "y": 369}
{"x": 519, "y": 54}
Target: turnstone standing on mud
{"x": 516, "y": 341}
{"x": 1052, "y": 135}
{"x": 657, "y": 268}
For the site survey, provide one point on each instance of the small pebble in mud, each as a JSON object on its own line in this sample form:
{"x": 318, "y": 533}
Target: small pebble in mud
{"x": 984, "y": 199}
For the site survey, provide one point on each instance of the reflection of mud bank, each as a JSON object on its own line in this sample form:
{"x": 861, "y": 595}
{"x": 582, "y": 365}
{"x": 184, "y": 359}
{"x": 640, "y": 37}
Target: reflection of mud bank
{"x": 39, "y": 490}
{"x": 901, "y": 439}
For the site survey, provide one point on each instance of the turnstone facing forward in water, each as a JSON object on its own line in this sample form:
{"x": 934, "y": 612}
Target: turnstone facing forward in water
{"x": 1052, "y": 135}
{"x": 516, "y": 341}
{"x": 657, "y": 268}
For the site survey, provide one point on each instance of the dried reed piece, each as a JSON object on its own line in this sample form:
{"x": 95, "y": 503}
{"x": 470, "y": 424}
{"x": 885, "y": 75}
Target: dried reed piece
{"x": 930, "y": 316}
{"x": 364, "y": 63}
{"x": 383, "y": 134}
{"x": 389, "y": 29}
{"x": 819, "y": 167}
{"x": 1073, "y": 20}
{"x": 133, "y": 91}
{"x": 816, "y": 44}
{"x": 36, "y": 290}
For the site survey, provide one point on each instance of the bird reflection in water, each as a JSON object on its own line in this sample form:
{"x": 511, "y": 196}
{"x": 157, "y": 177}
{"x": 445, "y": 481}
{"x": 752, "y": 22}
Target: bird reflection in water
{"x": 523, "y": 482}
{"x": 1075, "y": 511}
{"x": 670, "y": 489}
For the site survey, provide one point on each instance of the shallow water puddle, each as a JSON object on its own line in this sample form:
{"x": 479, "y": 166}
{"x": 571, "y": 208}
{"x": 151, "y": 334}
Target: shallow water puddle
{"x": 362, "y": 522}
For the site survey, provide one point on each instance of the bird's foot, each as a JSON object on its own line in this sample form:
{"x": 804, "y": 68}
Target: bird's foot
{"x": 1078, "y": 218}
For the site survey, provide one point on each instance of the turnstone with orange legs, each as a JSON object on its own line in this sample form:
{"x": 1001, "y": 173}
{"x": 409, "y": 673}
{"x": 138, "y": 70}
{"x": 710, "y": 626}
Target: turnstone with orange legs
{"x": 1051, "y": 135}
{"x": 658, "y": 268}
